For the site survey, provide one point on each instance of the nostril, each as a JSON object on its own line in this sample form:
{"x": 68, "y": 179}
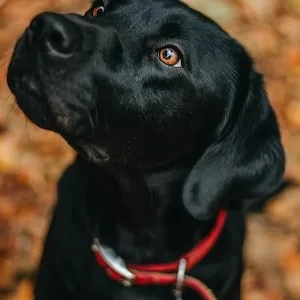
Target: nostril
{"x": 60, "y": 39}
{"x": 56, "y": 37}
{"x": 53, "y": 31}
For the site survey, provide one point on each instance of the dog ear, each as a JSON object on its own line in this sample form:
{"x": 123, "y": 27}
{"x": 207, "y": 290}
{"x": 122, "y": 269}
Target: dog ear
{"x": 246, "y": 162}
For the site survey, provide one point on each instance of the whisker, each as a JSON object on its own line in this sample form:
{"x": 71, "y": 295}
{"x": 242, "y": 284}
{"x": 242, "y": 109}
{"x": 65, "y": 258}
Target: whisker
{"x": 92, "y": 122}
{"x": 106, "y": 125}
{"x": 96, "y": 113}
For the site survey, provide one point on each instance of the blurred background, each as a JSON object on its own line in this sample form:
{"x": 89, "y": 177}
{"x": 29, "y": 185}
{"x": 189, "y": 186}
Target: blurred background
{"x": 31, "y": 160}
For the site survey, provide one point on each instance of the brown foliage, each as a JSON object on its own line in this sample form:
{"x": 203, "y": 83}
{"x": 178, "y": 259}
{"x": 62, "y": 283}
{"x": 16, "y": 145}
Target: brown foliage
{"x": 32, "y": 160}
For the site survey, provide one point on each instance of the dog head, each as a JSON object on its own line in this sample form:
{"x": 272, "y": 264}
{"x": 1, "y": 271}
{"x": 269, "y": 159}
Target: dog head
{"x": 148, "y": 83}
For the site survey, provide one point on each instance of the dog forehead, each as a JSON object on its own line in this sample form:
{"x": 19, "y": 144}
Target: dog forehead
{"x": 147, "y": 11}
{"x": 158, "y": 17}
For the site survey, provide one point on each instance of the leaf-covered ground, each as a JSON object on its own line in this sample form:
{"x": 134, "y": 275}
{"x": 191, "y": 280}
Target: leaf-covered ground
{"x": 31, "y": 160}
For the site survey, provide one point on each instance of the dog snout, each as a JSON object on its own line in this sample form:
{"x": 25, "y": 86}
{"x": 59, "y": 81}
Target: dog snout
{"x": 55, "y": 33}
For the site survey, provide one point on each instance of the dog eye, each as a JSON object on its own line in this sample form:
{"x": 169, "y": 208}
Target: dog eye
{"x": 170, "y": 56}
{"x": 97, "y": 9}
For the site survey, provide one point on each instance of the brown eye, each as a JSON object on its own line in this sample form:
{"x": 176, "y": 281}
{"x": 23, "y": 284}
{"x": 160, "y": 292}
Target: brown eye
{"x": 170, "y": 56}
{"x": 97, "y": 10}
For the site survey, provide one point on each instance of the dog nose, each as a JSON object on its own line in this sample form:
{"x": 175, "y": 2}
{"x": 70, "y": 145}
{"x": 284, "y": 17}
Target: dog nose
{"x": 54, "y": 32}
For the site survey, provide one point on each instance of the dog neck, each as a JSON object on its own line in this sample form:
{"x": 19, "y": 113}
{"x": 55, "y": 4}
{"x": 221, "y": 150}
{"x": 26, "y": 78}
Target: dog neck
{"x": 141, "y": 214}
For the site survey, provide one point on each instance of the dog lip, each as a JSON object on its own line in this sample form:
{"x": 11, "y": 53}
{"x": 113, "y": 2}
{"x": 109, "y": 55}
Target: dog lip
{"x": 87, "y": 149}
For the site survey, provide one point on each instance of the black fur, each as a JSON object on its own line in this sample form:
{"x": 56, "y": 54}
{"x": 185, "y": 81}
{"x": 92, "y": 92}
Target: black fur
{"x": 161, "y": 148}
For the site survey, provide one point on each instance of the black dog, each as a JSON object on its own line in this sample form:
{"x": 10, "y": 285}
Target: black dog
{"x": 172, "y": 124}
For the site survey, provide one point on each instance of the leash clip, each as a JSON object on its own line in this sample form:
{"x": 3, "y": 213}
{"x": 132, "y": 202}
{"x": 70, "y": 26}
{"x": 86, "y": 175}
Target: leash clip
{"x": 180, "y": 279}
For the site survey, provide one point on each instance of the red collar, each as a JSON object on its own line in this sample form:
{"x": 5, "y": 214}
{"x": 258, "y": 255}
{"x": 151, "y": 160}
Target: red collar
{"x": 173, "y": 273}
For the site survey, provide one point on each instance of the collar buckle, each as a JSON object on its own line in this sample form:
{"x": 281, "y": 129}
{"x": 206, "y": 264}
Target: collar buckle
{"x": 114, "y": 262}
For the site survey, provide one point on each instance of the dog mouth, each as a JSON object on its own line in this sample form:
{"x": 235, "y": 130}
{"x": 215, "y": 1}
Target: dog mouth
{"x": 52, "y": 114}
{"x": 91, "y": 152}
{"x": 49, "y": 111}
{"x": 40, "y": 75}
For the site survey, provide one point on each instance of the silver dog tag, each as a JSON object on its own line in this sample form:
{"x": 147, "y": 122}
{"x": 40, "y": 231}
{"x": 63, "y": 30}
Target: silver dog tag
{"x": 180, "y": 279}
{"x": 178, "y": 295}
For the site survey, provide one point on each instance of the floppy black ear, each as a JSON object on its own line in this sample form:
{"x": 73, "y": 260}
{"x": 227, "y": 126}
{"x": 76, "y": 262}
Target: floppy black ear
{"x": 245, "y": 164}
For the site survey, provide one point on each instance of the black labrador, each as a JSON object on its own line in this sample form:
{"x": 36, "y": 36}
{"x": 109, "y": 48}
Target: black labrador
{"x": 173, "y": 130}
